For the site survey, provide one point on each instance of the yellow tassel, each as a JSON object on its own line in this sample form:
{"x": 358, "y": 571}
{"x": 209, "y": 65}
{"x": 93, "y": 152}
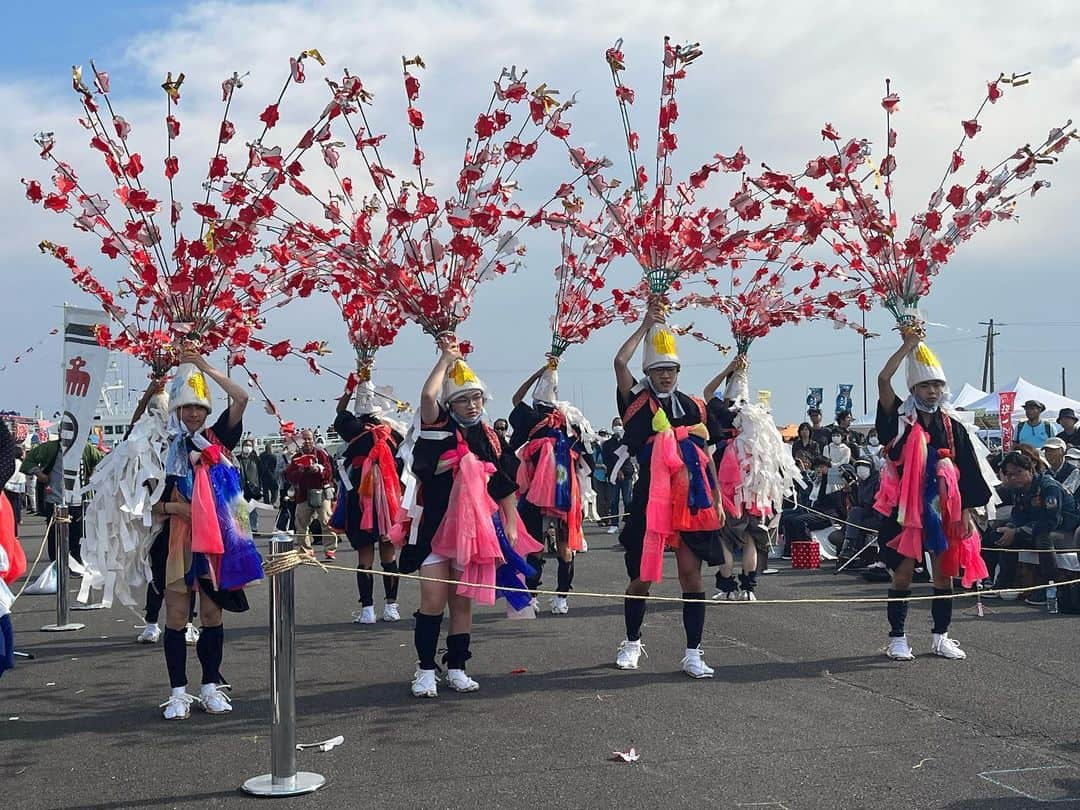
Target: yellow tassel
{"x": 197, "y": 383}
{"x": 660, "y": 421}
{"x": 314, "y": 54}
{"x": 462, "y": 374}
{"x": 925, "y": 356}
{"x": 664, "y": 342}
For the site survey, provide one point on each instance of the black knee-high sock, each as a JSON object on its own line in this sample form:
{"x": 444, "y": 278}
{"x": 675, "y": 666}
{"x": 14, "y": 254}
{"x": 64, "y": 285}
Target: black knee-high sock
{"x": 457, "y": 650}
{"x": 537, "y": 562}
{"x": 634, "y": 614}
{"x": 365, "y": 585}
{"x": 191, "y": 609}
{"x": 566, "y": 577}
{"x": 175, "y": 656}
{"x": 897, "y": 612}
{"x": 390, "y": 584}
{"x": 426, "y": 638}
{"x": 748, "y": 581}
{"x": 693, "y": 619}
{"x": 941, "y": 610}
{"x": 210, "y": 648}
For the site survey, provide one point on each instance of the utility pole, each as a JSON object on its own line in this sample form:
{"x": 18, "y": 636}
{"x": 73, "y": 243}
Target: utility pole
{"x": 988, "y": 358}
{"x": 1063, "y": 381}
{"x": 865, "y": 337}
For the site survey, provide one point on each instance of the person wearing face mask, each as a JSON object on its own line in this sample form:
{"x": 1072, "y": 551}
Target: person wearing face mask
{"x": 872, "y": 450}
{"x": 247, "y": 464}
{"x": 622, "y": 472}
{"x": 861, "y": 515}
{"x": 467, "y": 529}
{"x": 205, "y": 520}
{"x": 547, "y": 439}
{"x": 369, "y": 495}
{"x": 838, "y": 455}
{"x": 1064, "y": 471}
{"x": 931, "y": 484}
{"x": 310, "y": 472}
{"x": 676, "y": 500}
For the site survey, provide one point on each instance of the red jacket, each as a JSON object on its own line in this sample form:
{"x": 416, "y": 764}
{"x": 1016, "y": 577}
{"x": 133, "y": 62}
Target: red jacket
{"x": 304, "y": 478}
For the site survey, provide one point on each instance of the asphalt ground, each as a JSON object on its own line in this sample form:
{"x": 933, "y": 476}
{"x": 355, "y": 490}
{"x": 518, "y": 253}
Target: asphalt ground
{"x": 804, "y": 712}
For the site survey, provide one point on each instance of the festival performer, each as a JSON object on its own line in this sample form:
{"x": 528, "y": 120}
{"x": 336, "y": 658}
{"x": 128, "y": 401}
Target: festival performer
{"x": 12, "y": 558}
{"x": 676, "y": 500}
{"x": 548, "y": 440}
{"x": 468, "y": 529}
{"x": 930, "y": 485}
{"x": 369, "y": 495}
{"x": 205, "y": 520}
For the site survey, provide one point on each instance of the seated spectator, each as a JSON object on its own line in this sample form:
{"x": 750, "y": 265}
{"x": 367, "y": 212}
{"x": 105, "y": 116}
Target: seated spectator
{"x": 804, "y": 445}
{"x": 1069, "y": 434}
{"x": 838, "y": 454}
{"x": 1041, "y": 507}
{"x": 797, "y": 522}
{"x": 872, "y": 450}
{"x": 818, "y": 432}
{"x": 1064, "y": 471}
{"x": 861, "y": 515}
{"x": 1034, "y": 431}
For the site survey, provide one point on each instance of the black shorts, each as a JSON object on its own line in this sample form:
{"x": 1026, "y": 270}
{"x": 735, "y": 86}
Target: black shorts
{"x": 705, "y": 545}
{"x": 744, "y": 530}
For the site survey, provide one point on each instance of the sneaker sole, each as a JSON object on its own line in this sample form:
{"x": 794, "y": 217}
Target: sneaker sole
{"x": 465, "y": 690}
{"x": 948, "y": 657}
{"x": 901, "y": 657}
{"x": 703, "y": 676}
{"x": 425, "y": 694}
{"x": 178, "y": 717}
{"x": 625, "y": 666}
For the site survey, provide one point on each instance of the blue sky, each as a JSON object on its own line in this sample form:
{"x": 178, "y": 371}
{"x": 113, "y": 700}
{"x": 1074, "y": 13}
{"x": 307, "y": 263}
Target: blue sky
{"x": 767, "y": 81}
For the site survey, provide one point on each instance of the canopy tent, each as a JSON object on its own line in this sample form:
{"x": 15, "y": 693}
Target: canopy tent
{"x": 1025, "y": 391}
{"x": 966, "y": 395}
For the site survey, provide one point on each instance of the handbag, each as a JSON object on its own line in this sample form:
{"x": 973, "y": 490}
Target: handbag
{"x": 315, "y": 498}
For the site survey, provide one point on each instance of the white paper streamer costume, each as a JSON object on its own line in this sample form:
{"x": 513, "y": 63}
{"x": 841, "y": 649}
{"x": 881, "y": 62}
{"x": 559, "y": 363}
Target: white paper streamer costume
{"x": 118, "y": 525}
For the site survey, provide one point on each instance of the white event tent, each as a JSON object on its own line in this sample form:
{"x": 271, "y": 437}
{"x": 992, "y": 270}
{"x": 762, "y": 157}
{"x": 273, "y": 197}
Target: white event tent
{"x": 1025, "y": 391}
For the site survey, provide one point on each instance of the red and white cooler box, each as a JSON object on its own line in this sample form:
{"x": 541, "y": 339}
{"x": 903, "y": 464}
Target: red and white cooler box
{"x": 805, "y": 554}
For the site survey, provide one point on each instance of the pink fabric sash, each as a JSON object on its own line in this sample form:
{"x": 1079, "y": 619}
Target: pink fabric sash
{"x": 466, "y": 535}
{"x": 664, "y": 464}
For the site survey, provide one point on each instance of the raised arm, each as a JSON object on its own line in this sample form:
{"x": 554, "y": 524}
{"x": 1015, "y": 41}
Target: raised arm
{"x": 523, "y": 389}
{"x": 238, "y": 397}
{"x": 624, "y": 379}
{"x": 739, "y": 361}
{"x": 429, "y": 394}
{"x": 886, "y": 394}
{"x": 156, "y": 386}
{"x": 343, "y": 401}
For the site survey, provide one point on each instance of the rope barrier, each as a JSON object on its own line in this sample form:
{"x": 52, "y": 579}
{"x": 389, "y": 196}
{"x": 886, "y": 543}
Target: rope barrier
{"x": 280, "y": 563}
{"x": 41, "y": 550}
{"x": 1007, "y": 549}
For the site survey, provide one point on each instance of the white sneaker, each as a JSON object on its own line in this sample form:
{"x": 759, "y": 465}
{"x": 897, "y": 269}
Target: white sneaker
{"x": 559, "y": 606}
{"x": 693, "y": 664}
{"x": 726, "y": 596}
{"x": 191, "y": 634}
{"x": 899, "y": 649}
{"x": 213, "y": 699}
{"x": 390, "y": 612}
{"x": 459, "y": 681}
{"x": 178, "y": 706}
{"x": 613, "y": 530}
{"x": 365, "y": 616}
{"x": 629, "y": 653}
{"x": 425, "y": 684}
{"x": 947, "y": 647}
{"x": 745, "y": 596}
{"x": 151, "y": 634}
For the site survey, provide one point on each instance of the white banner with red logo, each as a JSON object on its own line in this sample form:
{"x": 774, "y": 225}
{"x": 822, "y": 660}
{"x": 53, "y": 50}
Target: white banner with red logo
{"x": 83, "y": 375}
{"x": 1006, "y": 401}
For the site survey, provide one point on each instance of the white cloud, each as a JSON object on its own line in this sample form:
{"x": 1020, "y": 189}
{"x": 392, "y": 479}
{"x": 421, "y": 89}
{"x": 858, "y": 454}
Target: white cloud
{"x": 770, "y": 76}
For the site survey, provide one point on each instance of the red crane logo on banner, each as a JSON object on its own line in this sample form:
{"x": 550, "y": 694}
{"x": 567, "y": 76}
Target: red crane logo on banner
{"x": 76, "y": 381}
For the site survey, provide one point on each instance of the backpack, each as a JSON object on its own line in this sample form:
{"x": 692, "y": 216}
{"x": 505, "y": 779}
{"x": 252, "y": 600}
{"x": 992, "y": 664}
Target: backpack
{"x": 1048, "y": 429}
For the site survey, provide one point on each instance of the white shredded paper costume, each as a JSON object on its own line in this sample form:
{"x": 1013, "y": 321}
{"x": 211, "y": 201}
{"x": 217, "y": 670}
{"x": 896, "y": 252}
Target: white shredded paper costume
{"x": 118, "y": 524}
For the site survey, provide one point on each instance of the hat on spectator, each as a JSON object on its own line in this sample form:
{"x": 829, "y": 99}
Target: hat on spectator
{"x": 812, "y": 410}
{"x": 1054, "y": 443}
{"x": 1034, "y": 403}
{"x": 865, "y": 462}
{"x": 1066, "y": 413}
{"x": 1073, "y": 454}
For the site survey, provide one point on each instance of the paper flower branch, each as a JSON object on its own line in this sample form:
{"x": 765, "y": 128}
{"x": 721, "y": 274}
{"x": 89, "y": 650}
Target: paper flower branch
{"x": 899, "y": 269}
{"x": 206, "y": 290}
{"x": 399, "y": 241}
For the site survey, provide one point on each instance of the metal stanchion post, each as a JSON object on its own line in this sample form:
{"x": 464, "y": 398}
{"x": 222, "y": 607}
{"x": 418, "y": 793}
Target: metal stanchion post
{"x": 283, "y": 780}
{"x": 61, "y": 528}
